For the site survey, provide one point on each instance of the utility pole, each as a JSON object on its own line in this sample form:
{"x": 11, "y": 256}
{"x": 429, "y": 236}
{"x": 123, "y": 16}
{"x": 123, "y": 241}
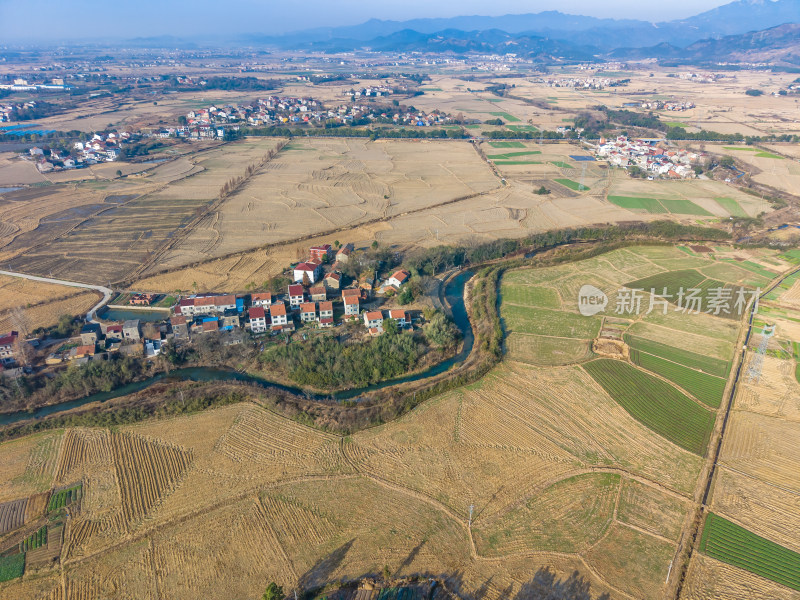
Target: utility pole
{"x": 471, "y": 508}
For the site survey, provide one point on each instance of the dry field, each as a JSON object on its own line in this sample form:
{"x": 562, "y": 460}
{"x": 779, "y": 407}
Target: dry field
{"x": 15, "y": 291}
{"x": 324, "y": 185}
{"x": 112, "y": 244}
{"x": 47, "y": 313}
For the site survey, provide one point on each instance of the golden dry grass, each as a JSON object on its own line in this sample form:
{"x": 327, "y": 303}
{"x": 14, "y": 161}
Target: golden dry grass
{"x": 47, "y": 315}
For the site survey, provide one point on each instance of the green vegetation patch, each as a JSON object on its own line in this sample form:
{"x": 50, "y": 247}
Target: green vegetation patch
{"x": 672, "y": 280}
{"x": 655, "y": 403}
{"x": 561, "y": 165}
{"x": 731, "y": 206}
{"x": 510, "y": 155}
{"x": 525, "y": 128}
{"x": 34, "y": 541}
{"x": 525, "y": 295}
{"x": 768, "y": 155}
{"x": 735, "y": 545}
{"x": 519, "y": 162}
{"x": 791, "y": 255}
{"x": 757, "y": 269}
{"x": 740, "y": 148}
{"x": 707, "y": 364}
{"x": 506, "y": 144}
{"x": 11, "y": 567}
{"x": 64, "y": 497}
{"x": 573, "y": 185}
{"x": 543, "y": 321}
{"x": 706, "y": 388}
{"x": 506, "y": 116}
{"x": 684, "y": 207}
{"x": 650, "y": 205}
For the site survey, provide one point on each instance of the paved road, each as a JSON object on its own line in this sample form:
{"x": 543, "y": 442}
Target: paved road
{"x": 98, "y": 288}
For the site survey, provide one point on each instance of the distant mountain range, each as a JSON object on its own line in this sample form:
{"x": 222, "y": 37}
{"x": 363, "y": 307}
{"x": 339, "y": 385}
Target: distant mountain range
{"x": 552, "y": 35}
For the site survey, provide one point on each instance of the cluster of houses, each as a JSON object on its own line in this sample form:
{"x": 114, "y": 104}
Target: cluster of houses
{"x": 586, "y": 83}
{"x": 369, "y": 92}
{"x": 673, "y": 105}
{"x": 101, "y": 339}
{"x": 100, "y": 148}
{"x": 651, "y": 156}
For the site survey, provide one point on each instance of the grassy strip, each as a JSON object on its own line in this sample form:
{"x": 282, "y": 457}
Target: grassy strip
{"x": 735, "y": 545}
{"x": 518, "y": 162}
{"x": 650, "y": 205}
{"x": 654, "y": 403}
{"x": 510, "y": 155}
{"x": 506, "y": 144}
{"x": 684, "y": 207}
{"x": 561, "y": 164}
{"x": 768, "y": 155}
{"x": 740, "y": 148}
{"x": 504, "y": 115}
{"x": 707, "y": 364}
{"x": 64, "y": 497}
{"x": 706, "y": 388}
{"x": 732, "y": 207}
{"x": 34, "y": 541}
{"x": 573, "y": 185}
{"x": 11, "y": 567}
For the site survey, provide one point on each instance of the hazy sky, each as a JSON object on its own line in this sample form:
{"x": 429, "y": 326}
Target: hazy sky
{"x": 71, "y": 19}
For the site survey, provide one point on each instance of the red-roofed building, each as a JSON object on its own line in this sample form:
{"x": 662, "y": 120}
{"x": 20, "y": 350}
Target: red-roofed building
{"x": 373, "y": 318}
{"x": 82, "y": 351}
{"x": 257, "y": 319}
{"x": 321, "y": 251}
{"x": 351, "y": 306}
{"x": 400, "y": 316}
{"x": 296, "y": 295}
{"x": 206, "y": 305}
{"x": 115, "y": 331}
{"x": 398, "y": 278}
{"x": 9, "y": 346}
{"x": 326, "y": 314}
{"x": 312, "y": 270}
{"x": 277, "y": 313}
{"x": 261, "y": 299}
{"x": 308, "y": 312}
{"x": 318, "y": 293}
{"x": 209, "y": 326}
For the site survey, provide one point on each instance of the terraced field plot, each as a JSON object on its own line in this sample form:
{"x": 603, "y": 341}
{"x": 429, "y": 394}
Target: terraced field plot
{"x": 573, "y": 185}
{"x": 706, "y": 388}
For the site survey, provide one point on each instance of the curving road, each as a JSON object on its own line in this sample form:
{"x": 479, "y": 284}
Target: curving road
{"x": 98, "y": 288}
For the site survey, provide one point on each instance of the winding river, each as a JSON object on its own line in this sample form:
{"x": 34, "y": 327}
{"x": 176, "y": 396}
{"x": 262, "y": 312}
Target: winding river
{"x": 454, "y": 296}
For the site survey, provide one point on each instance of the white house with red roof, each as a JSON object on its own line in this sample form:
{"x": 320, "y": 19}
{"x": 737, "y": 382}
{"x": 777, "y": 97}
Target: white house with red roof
{"x": 308, "y": 312}
{"x": 296, "y": 295}
{"x": 320, "y": 252}
{"x": 257, "y": 319}
{"x": 373, "y": 319}
{"x": 351, "y": 306}
{"x": 206, "y": 305}
{"x": 398, "y": 278}
{"x": 326, "y": 314}
{"x": 261, "y": 299}
{"x": 310, "y": 269}
{"x": 277, "y": 313}
{"x": 400, "y": 316}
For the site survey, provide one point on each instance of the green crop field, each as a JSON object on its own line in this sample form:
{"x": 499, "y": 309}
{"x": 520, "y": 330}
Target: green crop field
{"x": 64, "y": 497}
{"x": 549, "y": 322}
{"x": 757, "y": 269}
{"x": 34, "y": 541}
{"x": 573, "y": 185}
{"x": 791, "y": 255}
{"x": 526, "y": 295}
{"x": 672, "y": 280}
{"x": 510, "y": 155}
{"x": 506, "y": 116}
{"x": 519, "y": 162}
{"x": 561, "y": 165}
{"x": 506, "y": 144}
{"x": 12, "y": 566}
{"x": 708, "y": 364}
{"x": 731, "y": 206}
{"x": 684, "y": 207}
{"x": 706, "y": 388}
{"x": 768, "y": 155}
{"x": 655, "y": 403}
{"x": 735, "y": 545}
{"x": 526, "y": 128}
{"x": 740, "y": 149}
{"x": 650, "y": 205}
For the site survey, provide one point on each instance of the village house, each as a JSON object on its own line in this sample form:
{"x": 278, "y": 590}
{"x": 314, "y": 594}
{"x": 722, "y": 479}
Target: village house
{"x": 278, "y": 316}
{"x": 308, "y": 312}
{"x": 82, "y": 352}
{"x": 307, "y": 269}
{"x": 400, "y": 316}
{"x": 206, "y": 305}
{"x": 8, "y": 346}
{"x": 229, "y": 321}
{"x": 318, "y": 293}
{"x": 398, "y": 278}
{"x": 258, "y": 319}
{"x": 131, "y": 330}
{"x": 142, "y": 299}
{"x": 373, "y": 319}
{"x": 180, "y": 328}
{"x": 296, "y": 295}
{"x": 209, "y": 325}
{"x": 332, "y": 281}
{"x": 326, "y": 314}
{"x": 90, "y": 333}
{"x": 320, "y": 252}
{"x": 351, "y": 306}
{"x": 114, "y": 332}
{"x": 343, "y": 255}
{"x": 261, "y": 299}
